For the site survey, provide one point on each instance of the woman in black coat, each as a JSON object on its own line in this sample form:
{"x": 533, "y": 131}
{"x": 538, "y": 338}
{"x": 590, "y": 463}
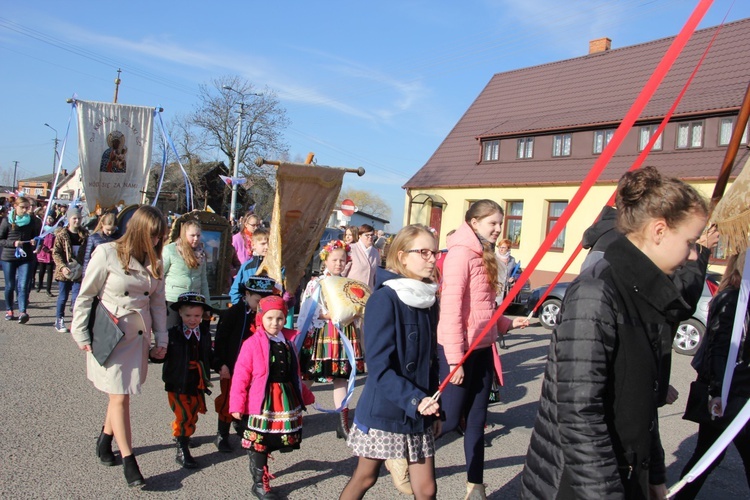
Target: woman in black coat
{"x": 721, "y": 314}
{"x": 596, "y": 434}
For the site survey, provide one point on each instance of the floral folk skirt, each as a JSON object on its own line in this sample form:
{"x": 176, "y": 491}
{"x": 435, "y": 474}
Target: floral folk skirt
{"x": 382, "y": 445}
{"x": 323, "y": 356}
{"x": 279, "y": 426}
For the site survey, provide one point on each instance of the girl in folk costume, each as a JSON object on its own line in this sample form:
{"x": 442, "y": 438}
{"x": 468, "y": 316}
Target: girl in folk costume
{"x": 266, "y": 386}
{"x": 323, "y": 355}
{"x": 185, "y": 267}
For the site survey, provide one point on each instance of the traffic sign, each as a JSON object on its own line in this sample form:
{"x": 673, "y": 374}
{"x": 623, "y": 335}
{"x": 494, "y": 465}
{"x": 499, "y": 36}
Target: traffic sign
{"x": 348, "y": 207}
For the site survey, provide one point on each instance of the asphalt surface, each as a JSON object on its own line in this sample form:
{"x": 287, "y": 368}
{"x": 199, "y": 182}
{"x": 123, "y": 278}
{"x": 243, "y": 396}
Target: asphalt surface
{"x": 50, "y": 416}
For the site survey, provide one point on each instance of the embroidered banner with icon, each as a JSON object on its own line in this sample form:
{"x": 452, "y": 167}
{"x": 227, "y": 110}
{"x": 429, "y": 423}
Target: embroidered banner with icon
{"x": 114, "y": 149}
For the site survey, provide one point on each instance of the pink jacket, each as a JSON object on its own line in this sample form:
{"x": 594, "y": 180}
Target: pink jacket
{"x": 364, "y": 263}
{"x": 467, "y": 301}
{"x": 243, "y": 251}
{"x": 251, "y": 374}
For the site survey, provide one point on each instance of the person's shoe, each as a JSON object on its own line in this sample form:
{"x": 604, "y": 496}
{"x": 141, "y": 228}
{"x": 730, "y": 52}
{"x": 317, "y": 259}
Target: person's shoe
{"x": 475, "y": 492}
{"x": 104, "y": 449}
{"x": 23, "y": 318}
{"x": 399, "y": 469}
{"x": 49, "y": 294}
{"x": 60, "y": 325}
{"x": 9, "y": 316}
{"x": 133, "y": 474}
{"x": 183, "y": 456}
{"x": 261, "y": 476}
{"x": 222, "y": 438}
{"x": 38, "y": 290}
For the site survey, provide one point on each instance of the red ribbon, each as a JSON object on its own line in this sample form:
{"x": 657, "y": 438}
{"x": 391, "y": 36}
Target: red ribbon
{"x": 619, "y": 136}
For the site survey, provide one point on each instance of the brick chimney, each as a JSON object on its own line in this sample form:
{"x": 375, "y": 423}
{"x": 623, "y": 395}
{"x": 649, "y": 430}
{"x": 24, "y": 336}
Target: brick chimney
{"x": 600, "y": 45}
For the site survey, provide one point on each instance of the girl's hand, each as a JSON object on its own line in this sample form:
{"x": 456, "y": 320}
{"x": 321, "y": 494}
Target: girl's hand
{"x": 714, "y": 407}
{"x": 458, "y": 377}
{"x": 428, "y": 406}
{"x": 86, "y": 348}
{"x": 237, "y": 415}
{"x": 520, "y": 322}
{"x": 65, "y": 271}
{"x": 158, "y": 352}
{"x": 224, "y": 372}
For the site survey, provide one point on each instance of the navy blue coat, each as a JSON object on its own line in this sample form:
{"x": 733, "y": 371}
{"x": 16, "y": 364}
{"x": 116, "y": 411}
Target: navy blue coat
{"x": 401, "y": 356}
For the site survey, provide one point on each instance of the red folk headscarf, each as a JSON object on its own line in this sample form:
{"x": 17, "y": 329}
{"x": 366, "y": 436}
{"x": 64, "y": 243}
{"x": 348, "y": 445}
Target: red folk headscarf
{"x": 272, "y": 303}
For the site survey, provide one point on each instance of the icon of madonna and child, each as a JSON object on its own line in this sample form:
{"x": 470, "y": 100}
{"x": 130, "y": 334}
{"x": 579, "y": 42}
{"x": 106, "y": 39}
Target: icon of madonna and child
{"x": 113, "y": 158}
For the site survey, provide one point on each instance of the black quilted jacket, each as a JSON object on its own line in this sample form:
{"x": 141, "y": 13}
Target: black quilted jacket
{"x": 596, "y": 433}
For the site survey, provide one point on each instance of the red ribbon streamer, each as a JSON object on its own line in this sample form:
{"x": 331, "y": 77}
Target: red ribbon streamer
{"x": 619, "y": 136}
{"x": 641, "y": 158}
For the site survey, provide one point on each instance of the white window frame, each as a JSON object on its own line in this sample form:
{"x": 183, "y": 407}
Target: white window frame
{"x": 562, "y": 145}
{"x": 644, "y": 136}
{"x": 601, "y": 139}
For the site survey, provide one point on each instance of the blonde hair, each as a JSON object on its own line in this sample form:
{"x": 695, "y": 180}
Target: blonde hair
{"x": 107, "y": 219}
{"x": 479, "y": 210}
{"x": 147, "y": 222}
{"x": 186, "y": 251}
{"x": 401, "y": 243}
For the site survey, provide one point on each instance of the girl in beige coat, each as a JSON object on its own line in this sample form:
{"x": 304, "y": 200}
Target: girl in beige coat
{"x": 127, "y": 277}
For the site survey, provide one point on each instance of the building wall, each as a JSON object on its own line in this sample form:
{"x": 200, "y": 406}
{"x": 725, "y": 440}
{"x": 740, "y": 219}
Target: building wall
{"x": 535, "y": 211}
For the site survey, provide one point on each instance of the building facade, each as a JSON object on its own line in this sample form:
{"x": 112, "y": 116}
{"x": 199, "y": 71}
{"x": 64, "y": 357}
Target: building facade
{"x": 533, "y": 134}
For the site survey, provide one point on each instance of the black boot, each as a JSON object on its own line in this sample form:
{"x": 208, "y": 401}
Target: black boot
{"x": 183, "y": 456}
{"x": 261, "y": 477}
{"x": 222, "y": 438}
{"x": 132, "y": 472}
{"x": 342, "y": 429}
{"x": 104, "y": 449}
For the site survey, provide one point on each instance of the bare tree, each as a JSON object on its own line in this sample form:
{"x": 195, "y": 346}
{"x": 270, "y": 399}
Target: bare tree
{"x": 367, "y": 201}
{"x": 263, "y": 121}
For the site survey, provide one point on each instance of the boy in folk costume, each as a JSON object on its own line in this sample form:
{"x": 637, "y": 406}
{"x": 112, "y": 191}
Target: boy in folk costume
{"x": 235, "y": 326}
{"x": 186, "y": 371}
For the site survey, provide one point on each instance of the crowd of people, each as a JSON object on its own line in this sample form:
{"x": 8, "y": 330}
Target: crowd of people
{"x": 407, "y": 321}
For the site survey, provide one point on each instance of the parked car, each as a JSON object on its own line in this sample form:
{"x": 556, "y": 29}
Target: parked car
{"x": 689, "y": 333}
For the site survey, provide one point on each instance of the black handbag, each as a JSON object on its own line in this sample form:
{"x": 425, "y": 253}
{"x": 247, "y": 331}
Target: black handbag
{"x": 105, "y": 334}
{"x": 696, "y": 409}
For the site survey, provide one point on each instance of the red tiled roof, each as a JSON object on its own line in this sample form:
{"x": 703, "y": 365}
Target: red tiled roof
{"x": 589, "y": 92}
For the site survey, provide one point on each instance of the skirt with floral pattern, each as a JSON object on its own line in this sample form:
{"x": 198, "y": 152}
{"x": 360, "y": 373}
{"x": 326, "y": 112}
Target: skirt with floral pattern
{"x": 323, "y": 357}
{"x": 279, "y": 426}
{"x": 382, "y": 445}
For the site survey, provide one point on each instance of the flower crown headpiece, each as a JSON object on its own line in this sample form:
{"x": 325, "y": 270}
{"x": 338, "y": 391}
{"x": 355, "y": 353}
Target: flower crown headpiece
{"x": 331, "y": 246}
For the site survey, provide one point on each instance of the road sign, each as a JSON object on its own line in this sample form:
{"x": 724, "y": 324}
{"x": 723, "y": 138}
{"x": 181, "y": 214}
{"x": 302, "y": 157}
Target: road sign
{"x": 348, "y": 207}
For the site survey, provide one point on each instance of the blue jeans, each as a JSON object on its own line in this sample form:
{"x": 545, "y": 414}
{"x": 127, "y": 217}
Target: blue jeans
{"x": 470, "y": 400}
{"x": 17, "y": 279}
{"x": 65, "y": 288}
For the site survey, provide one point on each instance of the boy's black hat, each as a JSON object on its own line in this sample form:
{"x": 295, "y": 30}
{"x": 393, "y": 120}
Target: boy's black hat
{"x": 262, "y": 285}
{"x": 191, "y": 299}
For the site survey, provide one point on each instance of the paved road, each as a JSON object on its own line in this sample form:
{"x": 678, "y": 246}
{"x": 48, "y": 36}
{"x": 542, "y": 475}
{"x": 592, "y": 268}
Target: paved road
{"x": 51, "y": 416}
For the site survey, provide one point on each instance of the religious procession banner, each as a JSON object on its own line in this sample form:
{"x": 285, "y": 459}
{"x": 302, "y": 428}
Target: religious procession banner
{"x": 114, "y": 150}
{"x": 305, "y": 197}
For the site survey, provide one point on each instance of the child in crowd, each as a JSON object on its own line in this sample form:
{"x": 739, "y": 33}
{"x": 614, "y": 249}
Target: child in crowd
{"x": 395, "y": 414}
{"x": 235, "y": 326}
{"x": 186, "y": 371}
{"x": 44, "y": 257}
{"x": 266, "y": 386}
{"x": 323, "y": 355}
{"x": 250, "y": 268}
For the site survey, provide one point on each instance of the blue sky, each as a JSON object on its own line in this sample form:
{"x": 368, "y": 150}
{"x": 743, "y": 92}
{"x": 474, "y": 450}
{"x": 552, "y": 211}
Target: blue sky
{"x": 371, "y": 84}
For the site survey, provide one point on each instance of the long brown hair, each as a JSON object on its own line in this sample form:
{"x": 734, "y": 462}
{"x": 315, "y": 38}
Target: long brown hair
{"x": 401, "y": 242}
{"x": 186, "y": 251}
{"x": 479, "y": 210}
{"x": 732, "y": 277}
{"x": 147, "y": 222}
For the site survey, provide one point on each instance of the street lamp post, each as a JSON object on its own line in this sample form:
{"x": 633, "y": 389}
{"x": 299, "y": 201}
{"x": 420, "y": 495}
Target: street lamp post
{"x": 54, "y": 160}
{"x": 233, "y": 204}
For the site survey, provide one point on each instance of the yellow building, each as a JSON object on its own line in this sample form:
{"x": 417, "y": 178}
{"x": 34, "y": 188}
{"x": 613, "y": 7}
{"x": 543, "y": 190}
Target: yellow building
{"x": 532, "y": 136}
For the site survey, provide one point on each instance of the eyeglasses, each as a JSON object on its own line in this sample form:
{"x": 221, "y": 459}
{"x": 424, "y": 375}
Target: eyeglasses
{"x": 426, "y": 253}
{"x": 366, "y": 235}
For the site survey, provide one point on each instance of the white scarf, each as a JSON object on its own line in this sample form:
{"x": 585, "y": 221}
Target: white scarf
{"x": 413, "y": 292}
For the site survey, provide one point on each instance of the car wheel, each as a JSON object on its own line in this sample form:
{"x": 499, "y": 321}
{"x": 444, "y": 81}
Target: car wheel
{"x": 688, "y": 337}
{"x": 548, "y": 313}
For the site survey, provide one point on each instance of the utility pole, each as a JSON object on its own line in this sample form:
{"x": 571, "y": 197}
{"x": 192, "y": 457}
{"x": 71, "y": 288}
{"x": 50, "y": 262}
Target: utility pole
{"x": 55, "y": 159}
{"x": 15, "y": 169}
{"x": 233, "y": 204}
{"x": 117, "y": 84}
